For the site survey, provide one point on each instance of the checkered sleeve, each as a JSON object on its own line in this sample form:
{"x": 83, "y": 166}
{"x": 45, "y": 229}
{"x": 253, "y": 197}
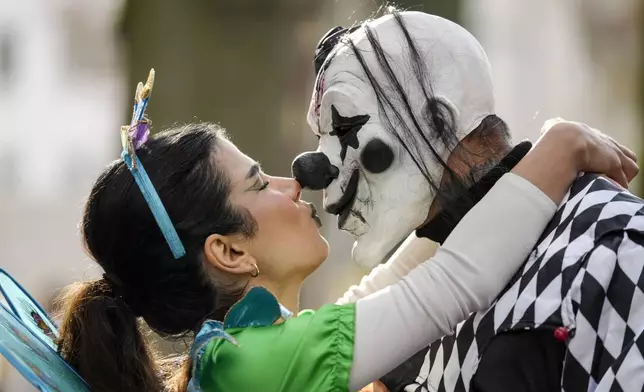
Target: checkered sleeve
{"x": 608, "y": 348}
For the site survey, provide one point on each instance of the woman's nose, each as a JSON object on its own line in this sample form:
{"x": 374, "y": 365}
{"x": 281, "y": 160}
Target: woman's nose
{"x": 289, "y": 186}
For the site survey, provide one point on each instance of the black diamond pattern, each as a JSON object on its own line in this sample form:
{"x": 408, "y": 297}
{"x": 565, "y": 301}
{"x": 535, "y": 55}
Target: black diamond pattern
{"x": 594, "y": 297}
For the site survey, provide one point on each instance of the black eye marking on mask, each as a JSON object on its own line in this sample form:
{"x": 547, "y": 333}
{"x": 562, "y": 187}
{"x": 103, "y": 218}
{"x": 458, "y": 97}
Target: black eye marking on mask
{"x": 346, "y": 129}
{"x": 376, "y": 156}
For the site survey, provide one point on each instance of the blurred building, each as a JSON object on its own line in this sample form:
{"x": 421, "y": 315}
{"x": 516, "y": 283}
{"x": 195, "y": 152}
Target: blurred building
{"x": 61, "y": 99}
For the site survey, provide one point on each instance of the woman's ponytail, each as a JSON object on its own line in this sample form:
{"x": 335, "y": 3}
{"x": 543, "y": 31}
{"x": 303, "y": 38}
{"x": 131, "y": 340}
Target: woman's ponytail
{"x": 101, "y": 339}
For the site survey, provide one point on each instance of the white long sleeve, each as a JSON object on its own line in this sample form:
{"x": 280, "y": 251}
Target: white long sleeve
{"x": 409, "y": 255}
{"x": 474, "y": 264}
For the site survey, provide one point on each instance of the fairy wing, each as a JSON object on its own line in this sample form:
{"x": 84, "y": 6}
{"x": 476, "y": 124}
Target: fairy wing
{"x": 27, "y": 310}
{"x": 34, "y": 358}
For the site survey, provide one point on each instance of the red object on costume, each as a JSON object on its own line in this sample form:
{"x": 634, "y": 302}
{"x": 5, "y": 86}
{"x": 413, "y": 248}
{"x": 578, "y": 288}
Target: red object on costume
{"x": 561, "y": 334}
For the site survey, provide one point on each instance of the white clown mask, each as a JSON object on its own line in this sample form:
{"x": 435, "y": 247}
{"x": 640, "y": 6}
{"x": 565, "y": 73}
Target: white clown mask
{"x": 375, "y": 113}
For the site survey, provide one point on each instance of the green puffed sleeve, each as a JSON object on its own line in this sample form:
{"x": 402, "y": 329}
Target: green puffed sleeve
{"x": 311, "y": 352}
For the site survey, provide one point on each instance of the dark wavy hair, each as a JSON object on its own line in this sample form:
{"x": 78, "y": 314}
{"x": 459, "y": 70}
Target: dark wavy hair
{"x": 101, "y": 336}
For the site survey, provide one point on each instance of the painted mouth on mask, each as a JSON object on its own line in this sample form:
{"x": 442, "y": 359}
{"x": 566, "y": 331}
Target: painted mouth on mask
{"x": 342, "y": 207}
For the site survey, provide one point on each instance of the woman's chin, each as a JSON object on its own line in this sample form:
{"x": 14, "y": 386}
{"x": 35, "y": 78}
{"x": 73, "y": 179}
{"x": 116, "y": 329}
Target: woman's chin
{"x": 320, "y": 251}
{"x": 324, "y": 244}
{"x": 320, "y": 241}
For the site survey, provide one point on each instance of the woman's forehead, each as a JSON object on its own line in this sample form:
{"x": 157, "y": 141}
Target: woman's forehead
{"x": 233, "y": 161}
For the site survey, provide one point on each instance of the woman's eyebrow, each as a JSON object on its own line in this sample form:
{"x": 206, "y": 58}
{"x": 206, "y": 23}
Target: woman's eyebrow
{"x": 252, "y": 172}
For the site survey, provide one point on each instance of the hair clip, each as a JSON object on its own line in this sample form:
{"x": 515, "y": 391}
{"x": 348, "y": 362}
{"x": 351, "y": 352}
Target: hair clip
{"x": 133, "y": 137}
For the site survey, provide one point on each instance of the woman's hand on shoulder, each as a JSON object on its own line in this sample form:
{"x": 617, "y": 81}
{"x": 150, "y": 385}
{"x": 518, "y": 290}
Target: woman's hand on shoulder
{"x": 592, "y": 151}
{"x": 567, "y": 148}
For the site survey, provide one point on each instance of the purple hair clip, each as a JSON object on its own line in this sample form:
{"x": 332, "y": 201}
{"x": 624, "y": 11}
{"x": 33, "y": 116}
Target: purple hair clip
{"x": 135, "y": 135}
{"x": 139, "y": 133}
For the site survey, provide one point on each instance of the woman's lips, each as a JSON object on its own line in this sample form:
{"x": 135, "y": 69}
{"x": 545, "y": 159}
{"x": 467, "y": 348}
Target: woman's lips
{"x": 314, "y": 215}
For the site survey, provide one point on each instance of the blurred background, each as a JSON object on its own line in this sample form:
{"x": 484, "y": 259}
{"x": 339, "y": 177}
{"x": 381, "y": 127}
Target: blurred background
{"x": 68, "y": 69}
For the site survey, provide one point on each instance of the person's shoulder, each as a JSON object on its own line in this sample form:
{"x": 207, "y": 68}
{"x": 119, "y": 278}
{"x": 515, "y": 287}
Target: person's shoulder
{"x": 327, "y": 316}
{"x": 603, "y": 194}
{"x": 314, "y": 342}
{"x": 284, "y": 334}
{"x": 601, "y": 189}
{"x": 593, "y": 198}
{"x": 593, "y": 208}
{"x": 326, "y": 310}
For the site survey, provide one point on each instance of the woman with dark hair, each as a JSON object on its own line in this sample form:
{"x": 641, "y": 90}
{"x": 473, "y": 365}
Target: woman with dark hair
{"x": 205, "y": 243}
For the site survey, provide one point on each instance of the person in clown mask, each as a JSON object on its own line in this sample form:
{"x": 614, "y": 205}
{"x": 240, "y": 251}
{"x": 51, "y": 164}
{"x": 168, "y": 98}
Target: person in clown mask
{"x": 409, "y": 141}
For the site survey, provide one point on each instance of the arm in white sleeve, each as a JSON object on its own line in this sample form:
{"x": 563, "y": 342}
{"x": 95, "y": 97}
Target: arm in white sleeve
{"x": 409, "y": 254}
{"x": 474, "y": 264}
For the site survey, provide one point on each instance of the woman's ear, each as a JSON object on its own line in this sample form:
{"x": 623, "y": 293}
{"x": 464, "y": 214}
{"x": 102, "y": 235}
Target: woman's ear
{"x": 227, "y": 254}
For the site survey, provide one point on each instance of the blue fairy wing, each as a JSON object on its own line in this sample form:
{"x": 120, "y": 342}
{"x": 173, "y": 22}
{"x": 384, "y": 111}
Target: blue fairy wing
{"x": 34, "y": 359}
{"x": 27, "y": 310}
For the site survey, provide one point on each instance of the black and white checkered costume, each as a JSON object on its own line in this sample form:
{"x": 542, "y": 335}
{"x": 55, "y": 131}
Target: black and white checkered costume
{"x": 586, "y": 274}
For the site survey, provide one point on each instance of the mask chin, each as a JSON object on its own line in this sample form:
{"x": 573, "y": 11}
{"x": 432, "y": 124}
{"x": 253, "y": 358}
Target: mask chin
{"x": 369, "y": 254}
{"x": 395, "y": 225}
{"x": 372, "y": 249}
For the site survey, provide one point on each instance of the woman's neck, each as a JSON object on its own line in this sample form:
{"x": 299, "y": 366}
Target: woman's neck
{"x": 287, "y": 294}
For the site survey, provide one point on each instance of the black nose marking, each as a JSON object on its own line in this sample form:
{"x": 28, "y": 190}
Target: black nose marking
{"x": 313, "y": 170}
{"x": 376, "y": 156}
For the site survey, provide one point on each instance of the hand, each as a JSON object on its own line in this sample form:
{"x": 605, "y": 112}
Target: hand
{"x": 567, "y": 148}
{"x": 595, "y": 152}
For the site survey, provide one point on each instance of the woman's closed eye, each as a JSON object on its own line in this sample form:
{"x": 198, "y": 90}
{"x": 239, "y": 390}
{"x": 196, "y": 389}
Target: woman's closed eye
{"x": 263, "y": 186}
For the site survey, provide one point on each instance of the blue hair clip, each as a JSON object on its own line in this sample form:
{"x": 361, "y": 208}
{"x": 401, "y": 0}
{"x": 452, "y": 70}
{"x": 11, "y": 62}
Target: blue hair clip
{"x": 133, "y": 137}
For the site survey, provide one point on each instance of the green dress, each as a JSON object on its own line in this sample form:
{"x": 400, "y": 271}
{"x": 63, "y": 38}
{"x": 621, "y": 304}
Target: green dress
{"x": 250, "y": 352}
